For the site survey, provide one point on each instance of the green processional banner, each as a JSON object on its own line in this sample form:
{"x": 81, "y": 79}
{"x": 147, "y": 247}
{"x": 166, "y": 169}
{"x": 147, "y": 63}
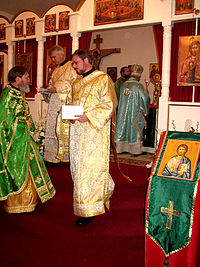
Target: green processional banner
{"x": 172, "y": 191}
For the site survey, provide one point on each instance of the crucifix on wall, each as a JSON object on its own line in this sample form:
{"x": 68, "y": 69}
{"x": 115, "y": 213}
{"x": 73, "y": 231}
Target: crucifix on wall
{"x": 98, "y": 54}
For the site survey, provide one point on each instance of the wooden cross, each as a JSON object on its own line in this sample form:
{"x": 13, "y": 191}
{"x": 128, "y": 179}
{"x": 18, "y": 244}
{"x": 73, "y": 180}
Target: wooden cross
{"x": 98, "y": 54}
{"x": 98, "y": 41}
{"x": 170, "y": 212}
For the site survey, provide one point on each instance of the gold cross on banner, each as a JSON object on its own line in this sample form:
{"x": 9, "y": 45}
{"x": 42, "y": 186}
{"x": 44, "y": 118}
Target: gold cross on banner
{"x": 170, "y": 212}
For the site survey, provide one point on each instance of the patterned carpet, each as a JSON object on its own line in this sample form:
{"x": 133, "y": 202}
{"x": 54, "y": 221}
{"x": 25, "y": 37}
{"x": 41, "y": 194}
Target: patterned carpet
{"x": 141, "y": 160}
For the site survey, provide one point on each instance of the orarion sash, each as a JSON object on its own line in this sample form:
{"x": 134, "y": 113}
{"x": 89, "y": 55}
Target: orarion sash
{"x": 172, "y": 193}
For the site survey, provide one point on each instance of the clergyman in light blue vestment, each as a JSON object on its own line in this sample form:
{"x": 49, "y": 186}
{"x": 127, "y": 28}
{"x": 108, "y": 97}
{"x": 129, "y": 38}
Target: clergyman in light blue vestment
{"x": 132, "y": 109}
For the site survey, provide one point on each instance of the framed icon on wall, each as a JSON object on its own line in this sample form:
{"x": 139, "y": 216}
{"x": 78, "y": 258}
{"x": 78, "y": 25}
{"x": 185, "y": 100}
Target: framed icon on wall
{"x": 2, "y": 31}
{"x": 30, "y": 26}
{"x": 63, "y": 20}
{"x": 189, "y": 61}
{"x": 50, "y": 23}
{"x": 112, "y": 72}
{"x": 19, "y": 31}
{"x": 184, "y": 7}
{"x": 117, "y": 11}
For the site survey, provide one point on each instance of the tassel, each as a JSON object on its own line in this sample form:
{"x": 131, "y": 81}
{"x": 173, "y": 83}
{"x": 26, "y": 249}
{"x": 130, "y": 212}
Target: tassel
{"x": 114, "y": 148}
{"x": 166, "y": 262}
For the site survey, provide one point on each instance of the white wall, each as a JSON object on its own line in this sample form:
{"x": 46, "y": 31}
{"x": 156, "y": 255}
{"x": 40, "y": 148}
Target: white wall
{"x": 183, "y": 116}
{"x": 137, "y": 47}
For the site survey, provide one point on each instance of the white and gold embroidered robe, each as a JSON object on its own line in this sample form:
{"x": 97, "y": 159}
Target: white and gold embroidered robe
{"x": 90, "y": 144}
{"x": 55, "y": 151}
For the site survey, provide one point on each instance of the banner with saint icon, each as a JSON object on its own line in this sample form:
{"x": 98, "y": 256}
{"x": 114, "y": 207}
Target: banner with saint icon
{"x": 172, "y": 191}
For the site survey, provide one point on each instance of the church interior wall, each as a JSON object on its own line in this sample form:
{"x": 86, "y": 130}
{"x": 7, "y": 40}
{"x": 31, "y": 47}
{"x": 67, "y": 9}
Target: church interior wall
{"x": 6, "y": 15}
{"x": 137, "y": 46}
{"x": 24, "y": 16}
{"x": 4, "y": 20}
{"x": 135, "y": 38}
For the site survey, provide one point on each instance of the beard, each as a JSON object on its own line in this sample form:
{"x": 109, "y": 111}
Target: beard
{"x": 126, "y": 76}
{"x": 80, "y": 72}
{"x": 24, "y": 88}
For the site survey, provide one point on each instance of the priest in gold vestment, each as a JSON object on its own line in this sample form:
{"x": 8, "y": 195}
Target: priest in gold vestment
{"x": 23, "y": 175}
{"x": 90, "y": 139}
{"x": 56, "y": 141}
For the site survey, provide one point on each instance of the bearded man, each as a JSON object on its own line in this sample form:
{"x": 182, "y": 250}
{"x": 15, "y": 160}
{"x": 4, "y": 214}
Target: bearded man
{"x": 125, "y": 75}
{"x": 23, "y": 176}
{"x": 133, "y": 107}
{"x": 90, "y": 139}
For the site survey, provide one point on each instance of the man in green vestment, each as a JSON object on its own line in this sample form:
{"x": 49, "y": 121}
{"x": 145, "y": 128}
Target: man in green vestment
{"x": 23, "y": 176}
{"x": 125, "y": 75}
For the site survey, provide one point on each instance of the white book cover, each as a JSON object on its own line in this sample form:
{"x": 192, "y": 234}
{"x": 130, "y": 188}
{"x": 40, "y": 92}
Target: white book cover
{"x": 69, "y": 112}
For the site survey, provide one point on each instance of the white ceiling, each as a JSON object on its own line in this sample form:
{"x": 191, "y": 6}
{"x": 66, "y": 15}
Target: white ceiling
{"x": 13, "y": 7}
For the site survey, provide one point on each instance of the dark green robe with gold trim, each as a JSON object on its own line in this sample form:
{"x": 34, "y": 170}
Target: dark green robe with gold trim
{"x": 19, "y": 155}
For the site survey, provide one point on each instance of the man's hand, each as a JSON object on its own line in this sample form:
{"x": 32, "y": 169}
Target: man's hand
{"x": 81, "y": 118}
{"x": 52, "y": 89}
{"x": 30, "y": 123}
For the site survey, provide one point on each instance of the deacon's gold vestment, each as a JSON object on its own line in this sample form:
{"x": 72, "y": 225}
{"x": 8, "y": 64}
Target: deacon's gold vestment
{"x": 57, "y": 133}
{"x": 90, "y": 144}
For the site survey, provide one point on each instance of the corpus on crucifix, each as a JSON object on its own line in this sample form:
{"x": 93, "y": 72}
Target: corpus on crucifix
{"x": 98, "y": 54}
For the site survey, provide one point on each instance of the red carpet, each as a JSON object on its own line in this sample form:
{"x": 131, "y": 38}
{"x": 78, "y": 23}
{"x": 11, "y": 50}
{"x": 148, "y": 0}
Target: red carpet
{"x": 48, "y": 236}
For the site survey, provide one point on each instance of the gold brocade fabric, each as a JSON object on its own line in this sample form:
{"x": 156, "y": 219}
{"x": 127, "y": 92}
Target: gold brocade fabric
{"x": 90, "y": 144}
{"x": 25, "y": 201}
{"x": 62, "y": 132}
{"x": 62, "y": 78}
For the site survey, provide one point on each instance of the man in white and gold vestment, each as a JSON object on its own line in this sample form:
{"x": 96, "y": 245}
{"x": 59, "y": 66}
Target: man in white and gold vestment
{"x": 90, "y": 139}
{"x": 57, "y": 133}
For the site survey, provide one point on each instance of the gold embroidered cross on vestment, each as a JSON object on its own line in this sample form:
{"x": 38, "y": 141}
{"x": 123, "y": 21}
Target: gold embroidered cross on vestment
{"x": 170, "y": 212}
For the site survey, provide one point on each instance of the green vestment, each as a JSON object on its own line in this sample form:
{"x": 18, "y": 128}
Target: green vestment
{"x": 19, "y": 153}
{"x": 118, "y": 84}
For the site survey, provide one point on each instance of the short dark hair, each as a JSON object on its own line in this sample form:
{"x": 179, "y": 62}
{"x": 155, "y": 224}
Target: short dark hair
{"x": 123, "y": 68}
{"x": 83, "y": 54}
{"x": 17, "y": 71}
